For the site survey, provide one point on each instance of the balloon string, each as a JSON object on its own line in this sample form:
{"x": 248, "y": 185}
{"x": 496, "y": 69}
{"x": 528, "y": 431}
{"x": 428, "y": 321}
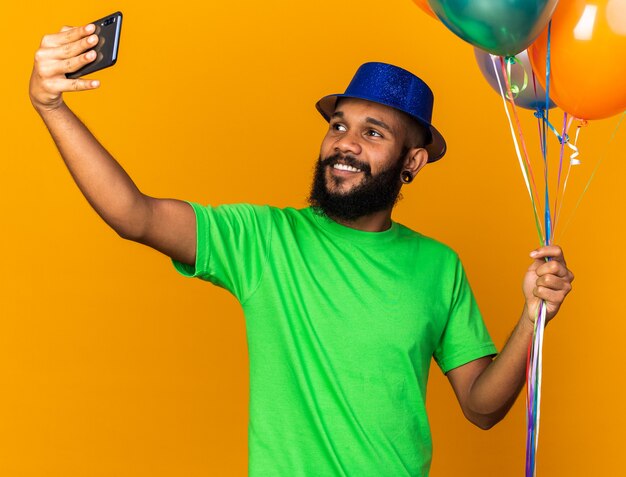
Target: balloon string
{"x": 558, "y": 181}
{"x": 573, "y": 158}
{"x": 540, "y": 114}
{"x": 572, "y": 162}
{"x": 535, "y": 362}
{"x": 539, "y": 349}
{"x": 527, "y": 168}
{"x": 534, "y": 82}
{"x": 547, "y": 217}
{"x": 517, "y": 150}
{"x": 534, "y": 366}
{"x": 533, "y": 378}
{"x": 595, "y": 169}
{"x": 529, "y": 420}
{"x": 515, "y": 89}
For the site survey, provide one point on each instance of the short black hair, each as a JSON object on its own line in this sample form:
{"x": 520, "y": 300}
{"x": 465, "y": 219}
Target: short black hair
{"x": 419, "y": 134}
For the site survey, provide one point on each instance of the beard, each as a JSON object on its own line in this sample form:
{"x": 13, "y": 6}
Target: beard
{"x": 375, "y": 192}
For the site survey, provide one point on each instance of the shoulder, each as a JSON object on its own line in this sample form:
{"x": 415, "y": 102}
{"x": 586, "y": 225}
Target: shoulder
{"x": 238, "y": 211}
{"x": 428, "y": 245}
{"x": 263, "y": 216}
{"x": 290, "y": 216}
{"x": 246, "y": 210}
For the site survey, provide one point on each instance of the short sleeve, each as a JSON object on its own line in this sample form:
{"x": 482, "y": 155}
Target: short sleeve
{"x": 232, "y": 246}
{"x": 465, "y": 336}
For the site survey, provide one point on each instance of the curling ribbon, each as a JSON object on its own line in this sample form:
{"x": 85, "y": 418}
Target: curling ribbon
{"x": 573, "y": 157}
{"x": 515, "y": 89}
{"x": 573, "y": 161}
{"x": 535, "y": 364}
{"x": 533, "y": 389}
{"x": 540, "y": 114}
{"x": 595, "y": 169}
{"x": 525, "y": 167}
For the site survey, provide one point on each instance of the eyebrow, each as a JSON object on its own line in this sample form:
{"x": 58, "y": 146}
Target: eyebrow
{"x": 378, "y": 123}
{"x": 375, "y": 122}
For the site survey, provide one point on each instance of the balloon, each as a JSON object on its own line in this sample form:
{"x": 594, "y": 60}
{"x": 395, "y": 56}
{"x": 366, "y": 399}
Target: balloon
{"x": 532, "y": 97}
{"x": 587, "y": 57}
{"x": 423, "y": 4}
{"x": 501, "y": 27}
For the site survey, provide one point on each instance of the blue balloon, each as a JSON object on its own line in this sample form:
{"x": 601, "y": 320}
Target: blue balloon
{"x": 533, "y": 96}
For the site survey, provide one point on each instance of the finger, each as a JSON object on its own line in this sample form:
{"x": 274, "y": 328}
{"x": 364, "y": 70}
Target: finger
{"x": 72, "y": 56}
{"x": 554, "y": 282}
{"x": 553, "y": 297}
{"x": 67, "y": 35}
{"x": 66, "y": 28}
{"x": 553, "y": 252}
{"x": 47, "y": 67}
{"x": 73, "y": 64}
{"x": 552, "y": 267}
{"x": 68, "y": 50}
{"x": 67, "y": 85}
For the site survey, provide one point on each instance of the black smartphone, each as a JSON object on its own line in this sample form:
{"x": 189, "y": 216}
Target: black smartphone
{"x": 108, "y": 30}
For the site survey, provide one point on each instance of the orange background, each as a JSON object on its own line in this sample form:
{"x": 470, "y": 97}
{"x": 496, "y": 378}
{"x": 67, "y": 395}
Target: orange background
{"x": 113, "y": 365}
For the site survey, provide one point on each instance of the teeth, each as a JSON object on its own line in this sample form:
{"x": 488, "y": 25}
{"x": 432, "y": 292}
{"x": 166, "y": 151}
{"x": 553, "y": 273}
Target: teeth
{"x": 346, "y": 167}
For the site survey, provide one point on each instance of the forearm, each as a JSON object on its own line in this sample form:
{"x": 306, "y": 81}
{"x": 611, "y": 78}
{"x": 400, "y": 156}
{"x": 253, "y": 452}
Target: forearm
{"x": 486, "y": 388}
{"x": 496, "y": 389}
{"x": 103, "y": 182}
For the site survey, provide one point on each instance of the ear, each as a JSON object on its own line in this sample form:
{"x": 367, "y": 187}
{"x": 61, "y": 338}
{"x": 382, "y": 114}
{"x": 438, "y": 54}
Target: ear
{"x": 415, "y": 159}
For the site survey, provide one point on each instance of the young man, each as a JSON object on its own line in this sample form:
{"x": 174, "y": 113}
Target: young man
{"x": 344, "y": 307}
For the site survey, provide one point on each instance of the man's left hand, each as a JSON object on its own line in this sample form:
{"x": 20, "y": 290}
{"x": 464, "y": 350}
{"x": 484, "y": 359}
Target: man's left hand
{"x": 549, "y": 281}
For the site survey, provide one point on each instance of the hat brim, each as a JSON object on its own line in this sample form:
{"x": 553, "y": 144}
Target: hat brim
{"x": 436, "y": 148}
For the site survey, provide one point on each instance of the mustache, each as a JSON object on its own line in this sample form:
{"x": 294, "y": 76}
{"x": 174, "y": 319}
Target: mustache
{"x": 349, "y": 160}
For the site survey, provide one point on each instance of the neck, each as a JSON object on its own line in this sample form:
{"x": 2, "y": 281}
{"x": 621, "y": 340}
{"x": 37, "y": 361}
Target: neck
{"x": 376, "y": 222}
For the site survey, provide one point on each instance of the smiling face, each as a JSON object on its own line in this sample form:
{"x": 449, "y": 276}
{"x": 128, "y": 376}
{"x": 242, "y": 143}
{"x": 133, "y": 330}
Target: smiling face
{"x": 366, "y": 138}
{"x": 366, "y": 148}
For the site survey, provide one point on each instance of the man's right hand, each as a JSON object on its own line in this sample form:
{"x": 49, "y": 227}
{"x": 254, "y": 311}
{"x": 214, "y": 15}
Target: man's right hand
{"x": 61, "y": 53}
{"x": 166, "y": 225}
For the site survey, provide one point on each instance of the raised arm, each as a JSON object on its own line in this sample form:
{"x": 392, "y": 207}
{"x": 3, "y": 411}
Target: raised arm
{"x": 487, "y": 389}
{"x": 166, "y": 225}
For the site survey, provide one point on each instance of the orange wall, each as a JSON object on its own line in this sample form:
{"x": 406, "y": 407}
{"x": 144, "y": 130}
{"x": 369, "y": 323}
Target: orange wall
{"x": 113, "y": 365}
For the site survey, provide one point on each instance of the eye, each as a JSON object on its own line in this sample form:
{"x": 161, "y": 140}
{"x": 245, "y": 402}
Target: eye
{"x": 338, "y": 127}
{"x": 373, "y": 133}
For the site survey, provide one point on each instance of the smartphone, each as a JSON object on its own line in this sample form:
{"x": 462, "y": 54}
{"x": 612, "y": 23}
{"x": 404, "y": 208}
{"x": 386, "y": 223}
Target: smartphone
{"x": 108, "y": 30}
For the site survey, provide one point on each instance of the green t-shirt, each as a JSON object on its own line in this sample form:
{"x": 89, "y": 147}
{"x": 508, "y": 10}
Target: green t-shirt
{"x": 341, "y": 327}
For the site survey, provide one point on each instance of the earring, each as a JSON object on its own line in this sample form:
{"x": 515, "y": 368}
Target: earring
{"x": 406, "y": 177}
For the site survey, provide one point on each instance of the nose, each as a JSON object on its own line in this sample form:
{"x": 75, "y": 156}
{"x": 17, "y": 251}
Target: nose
{"x": 348, "y": 143}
